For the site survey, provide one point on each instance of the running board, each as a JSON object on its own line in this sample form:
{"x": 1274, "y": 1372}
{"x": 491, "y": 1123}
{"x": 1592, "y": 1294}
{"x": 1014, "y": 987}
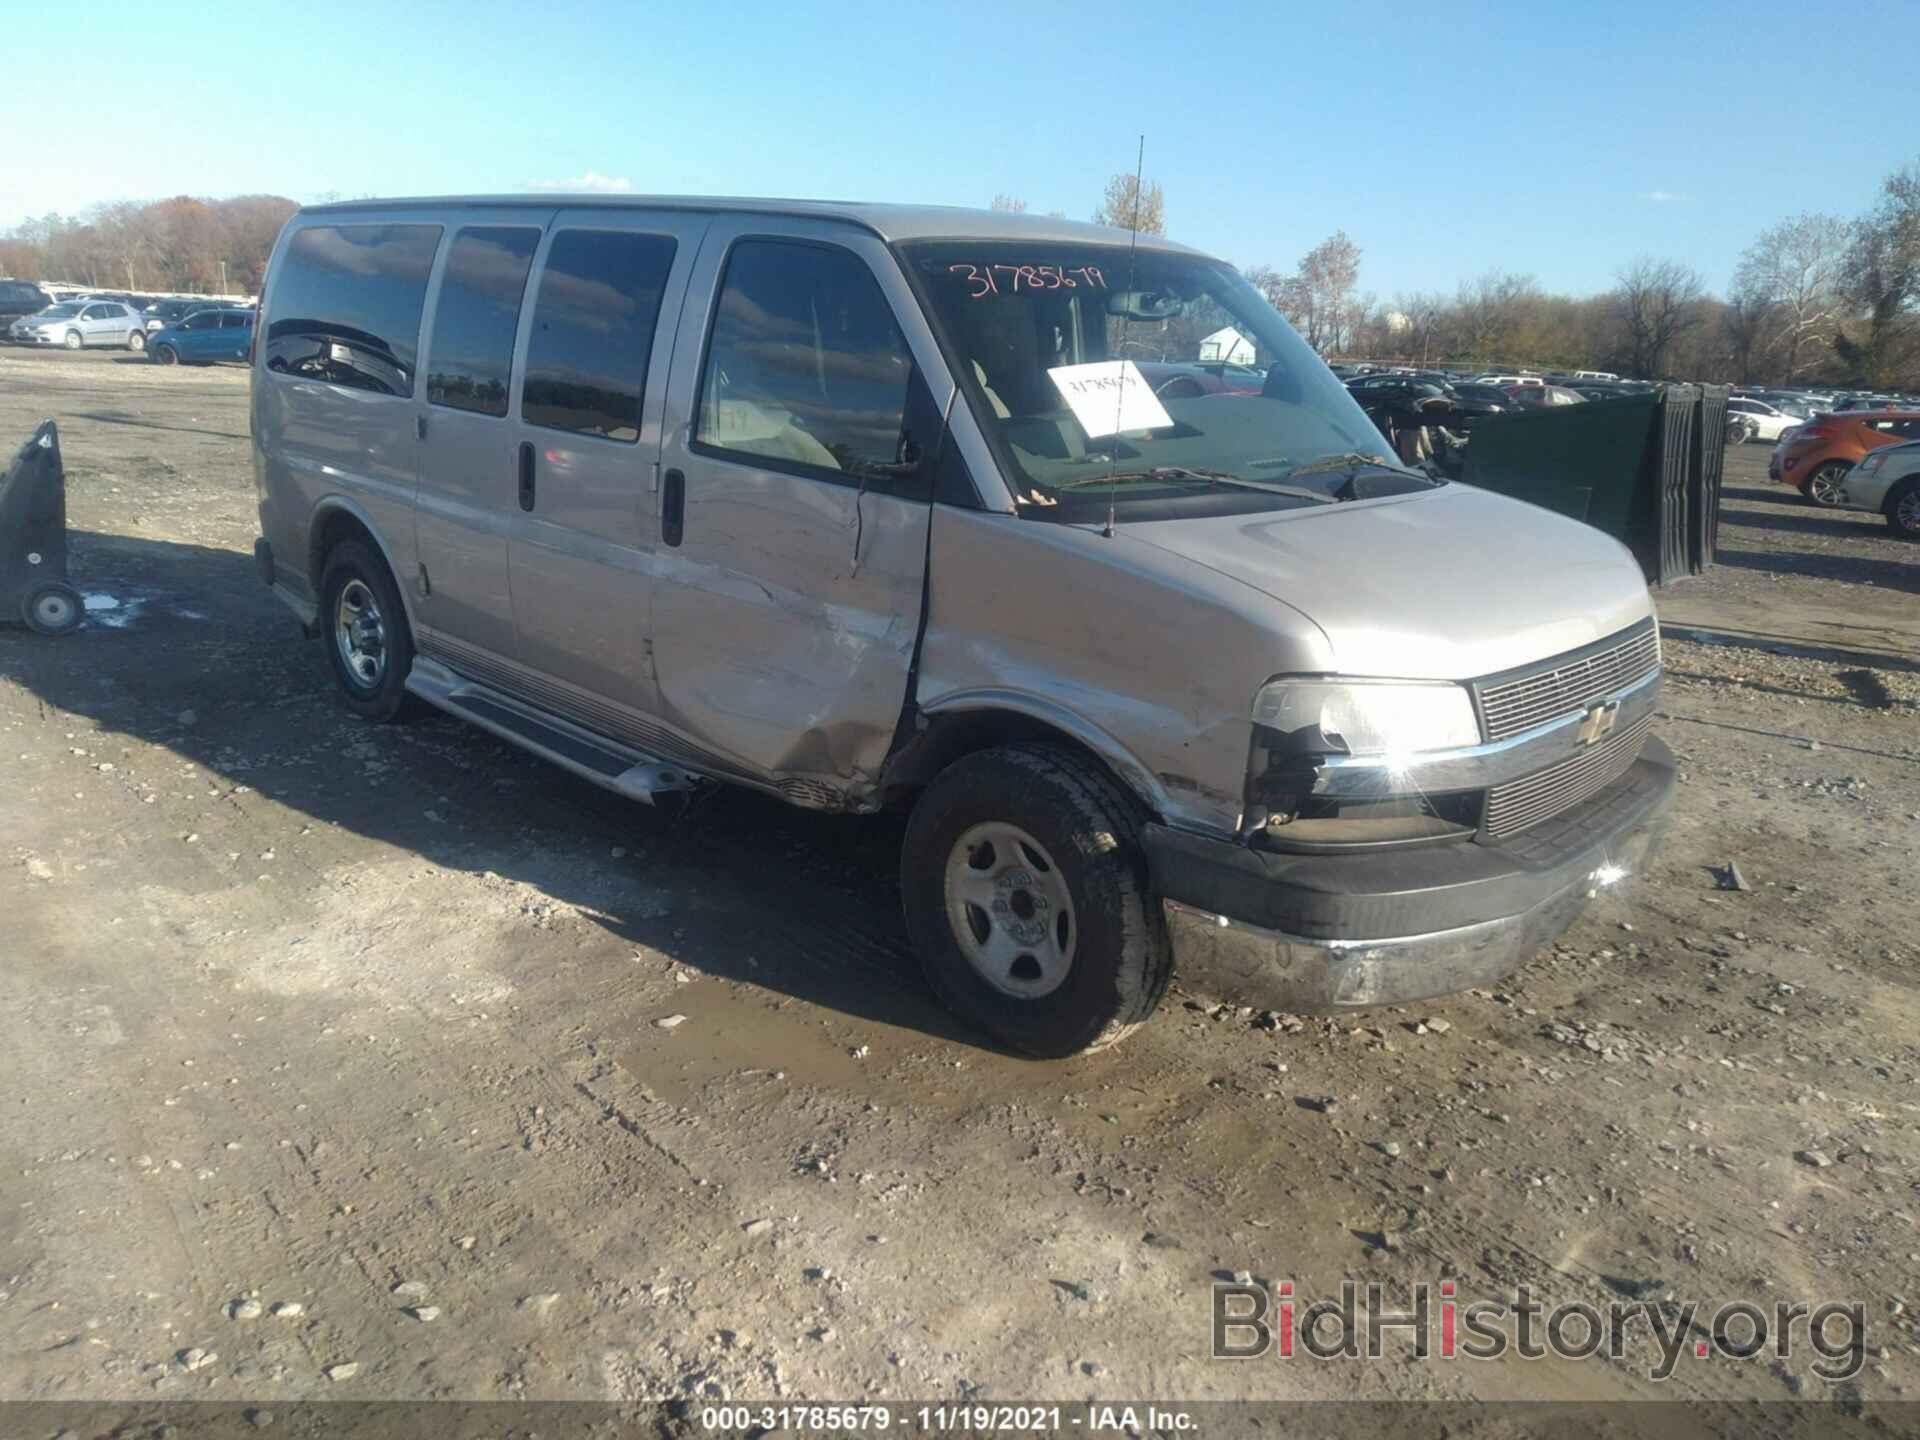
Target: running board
{"x": 618, "y": 767}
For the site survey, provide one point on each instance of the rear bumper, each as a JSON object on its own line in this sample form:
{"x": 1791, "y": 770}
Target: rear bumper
{"x": 1328, "y": 932}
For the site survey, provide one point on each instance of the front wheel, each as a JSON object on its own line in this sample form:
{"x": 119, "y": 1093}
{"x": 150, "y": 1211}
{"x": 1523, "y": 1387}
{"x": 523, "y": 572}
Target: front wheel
{"x": 53, "y": 609}
{"x": 1028, "y": 901}
{"x": 1903, "y": 509}
{"x": 1822, "y": 487}
{"x": 368, "y": 642}
{"x": 74, "y": 340}
{"x": 137, "y": 341}
{"x": 165, "y": 355}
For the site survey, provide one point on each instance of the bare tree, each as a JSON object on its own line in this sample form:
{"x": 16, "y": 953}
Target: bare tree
{"x": 1421, "y": 312}
{"x": 1749, "y": 324}
{"x": 1009, "y": 204}
{"x": 1494, "y": 312}
{"x": 1128, "y": 205}
{"x": 1794, "y": 270}
{"x": 1883, "y": 283}
{"x": 1318, "y": 296}
{"x": 1655, "y": 301}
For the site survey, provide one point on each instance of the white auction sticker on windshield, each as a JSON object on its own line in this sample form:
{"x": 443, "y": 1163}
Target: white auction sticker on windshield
{"x": 1109, "y": 397}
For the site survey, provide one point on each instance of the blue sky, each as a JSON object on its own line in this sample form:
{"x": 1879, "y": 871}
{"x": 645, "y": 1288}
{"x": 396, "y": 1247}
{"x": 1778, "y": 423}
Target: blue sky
{"x": 1553, "y": 139}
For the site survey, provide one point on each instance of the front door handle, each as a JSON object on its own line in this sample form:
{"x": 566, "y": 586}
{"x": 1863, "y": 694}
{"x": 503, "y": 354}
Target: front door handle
{"x": 673, "y": 508}
{"x": 526, "y": 475}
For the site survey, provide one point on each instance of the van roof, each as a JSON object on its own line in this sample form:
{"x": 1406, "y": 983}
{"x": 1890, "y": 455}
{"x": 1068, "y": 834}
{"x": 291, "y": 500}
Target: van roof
{"x": 889, "y": 222}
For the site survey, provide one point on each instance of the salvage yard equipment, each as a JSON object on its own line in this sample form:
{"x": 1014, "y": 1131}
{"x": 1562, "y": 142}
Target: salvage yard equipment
{"x": 33, "y": 538}
{"x": 1644, "y": 468}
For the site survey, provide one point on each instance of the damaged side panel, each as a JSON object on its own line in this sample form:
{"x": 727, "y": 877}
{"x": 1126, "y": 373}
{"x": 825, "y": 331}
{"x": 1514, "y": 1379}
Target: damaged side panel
{"x": 1143, "y": 659}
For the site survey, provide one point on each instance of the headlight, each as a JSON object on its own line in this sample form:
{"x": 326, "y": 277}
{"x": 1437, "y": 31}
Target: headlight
{"x": 1364, "y": 717}
{"x": 1871, "y": 463}
{"x": 1299, "y": 726}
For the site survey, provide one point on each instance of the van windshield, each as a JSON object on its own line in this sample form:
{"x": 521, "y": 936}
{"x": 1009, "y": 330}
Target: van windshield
{"x": 1143, "y": 379}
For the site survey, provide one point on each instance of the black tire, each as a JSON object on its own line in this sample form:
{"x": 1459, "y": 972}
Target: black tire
{"x": 1120, "y": 960}
{"x": 74, "y": 340}
{"x": 53, "y": 609}
{"x": 165, "y": 355}
{"x": 383, "y": 698}
{"x": 1903, "y": 508}
{"x": 1822, "y": 485}
{"x": 136, "y": 341}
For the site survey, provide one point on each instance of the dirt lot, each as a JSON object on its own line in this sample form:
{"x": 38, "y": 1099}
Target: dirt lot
{"x": 359, "y": 1027}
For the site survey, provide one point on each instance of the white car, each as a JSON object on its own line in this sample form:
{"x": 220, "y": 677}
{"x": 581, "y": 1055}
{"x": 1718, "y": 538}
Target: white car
{"x": 1769, "y": 422}
{"x": 1505, "y": 380}
{"x": 1887, "y": 481}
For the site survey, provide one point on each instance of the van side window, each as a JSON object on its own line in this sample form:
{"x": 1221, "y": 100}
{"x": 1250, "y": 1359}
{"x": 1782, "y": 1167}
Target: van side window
{"x": 805, "y": 364}
{"x": 593, "y": 324}
{"x": 477, "y": 317}
{"x": 347, "y": 302}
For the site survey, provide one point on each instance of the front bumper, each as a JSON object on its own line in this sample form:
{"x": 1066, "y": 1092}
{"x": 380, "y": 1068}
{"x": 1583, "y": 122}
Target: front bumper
{"x": 1302, "y": 933}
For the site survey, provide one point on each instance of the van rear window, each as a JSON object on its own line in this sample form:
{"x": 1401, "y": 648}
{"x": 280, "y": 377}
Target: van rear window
{"x": 347, "y": 302}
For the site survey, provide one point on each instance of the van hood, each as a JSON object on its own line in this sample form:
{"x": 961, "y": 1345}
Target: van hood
{"x": 1445, "y": 584}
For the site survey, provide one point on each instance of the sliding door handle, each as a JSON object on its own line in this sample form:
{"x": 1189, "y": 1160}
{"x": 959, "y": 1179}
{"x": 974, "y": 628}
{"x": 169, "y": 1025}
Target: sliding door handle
{"x": 673, "y": 507}
{"x": 526, "y": 475}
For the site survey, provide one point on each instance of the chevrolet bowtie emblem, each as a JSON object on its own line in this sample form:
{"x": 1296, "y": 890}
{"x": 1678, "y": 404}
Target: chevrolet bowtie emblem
{"x": 1597, "y": 724}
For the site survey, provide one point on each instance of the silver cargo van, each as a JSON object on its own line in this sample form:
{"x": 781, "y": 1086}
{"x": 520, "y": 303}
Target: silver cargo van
{"x": 870, "y": 506}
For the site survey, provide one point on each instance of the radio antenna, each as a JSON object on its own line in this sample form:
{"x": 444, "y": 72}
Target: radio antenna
{"x": 1120, "y": 390}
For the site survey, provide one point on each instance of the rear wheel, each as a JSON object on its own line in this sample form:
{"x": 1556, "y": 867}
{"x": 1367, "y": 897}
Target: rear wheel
{"x": 165, "y": 355}
{"x": 1903, "y": 509}
{"x": 74, "y": 340}
{"x": 1822, "y": 485}
{"x": 369, "y": 643}
{"x": 53, "y": 609}
{"x": 137, "y": 341}
{"x": 1028, "y": 901}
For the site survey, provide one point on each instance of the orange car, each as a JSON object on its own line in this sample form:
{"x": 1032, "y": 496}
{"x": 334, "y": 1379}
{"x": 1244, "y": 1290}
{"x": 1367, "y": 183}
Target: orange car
{"x": 1815, "y": 458}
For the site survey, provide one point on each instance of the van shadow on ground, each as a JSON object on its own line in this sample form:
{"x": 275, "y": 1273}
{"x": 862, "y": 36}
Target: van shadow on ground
{"x": 746, "y": 888}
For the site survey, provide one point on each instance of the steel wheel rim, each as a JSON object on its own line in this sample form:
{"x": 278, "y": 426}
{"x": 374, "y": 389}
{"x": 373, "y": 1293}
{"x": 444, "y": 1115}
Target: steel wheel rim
{"x": 136, "y": 341}
{"x": 1824, "y": 487}
{"x": 1010, "y": 910}
{"x": 1906, "y": 512}
{"x": 54, "y": 610}
{"x": 360, "y": 634}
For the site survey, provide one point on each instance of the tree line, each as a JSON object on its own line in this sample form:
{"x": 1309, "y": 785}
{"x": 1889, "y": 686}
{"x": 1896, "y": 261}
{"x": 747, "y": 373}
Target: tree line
{"x": 1815, "y": 298}
{"x": 182, "y": 244}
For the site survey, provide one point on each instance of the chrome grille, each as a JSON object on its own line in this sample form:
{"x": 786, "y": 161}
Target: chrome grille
{"x": 1511, "y": 808}
{"x": 1563, "y": 686}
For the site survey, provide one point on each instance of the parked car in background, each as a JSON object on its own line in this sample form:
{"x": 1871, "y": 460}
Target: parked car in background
{"x": 204, "y": 337}
{"x": 1537, "y": 397}
{"x": 1375, "y": 392}
{"x": 1817, "y": 457}
{"x": 164, "y": 314}
{"x": 76, "y": 324}
{"x": 1173, "y": 380}
{"x": 1887, "y": 482}
{"x": 1769, "y": 421}
{"x": 1505, "y": 381}
{"x": 21, "y": 297}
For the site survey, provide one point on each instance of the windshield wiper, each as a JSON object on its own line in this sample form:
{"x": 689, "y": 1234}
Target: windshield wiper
{"x": 1217, "y": 477}
{"x": 1350, "y": 461}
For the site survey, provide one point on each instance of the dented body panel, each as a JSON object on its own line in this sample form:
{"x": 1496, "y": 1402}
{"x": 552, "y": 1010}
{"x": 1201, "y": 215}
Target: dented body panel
{"x": 1149, "y": 659}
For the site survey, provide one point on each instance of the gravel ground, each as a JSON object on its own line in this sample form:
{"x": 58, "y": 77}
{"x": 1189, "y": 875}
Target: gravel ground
{"x": 388, "y": 1062}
